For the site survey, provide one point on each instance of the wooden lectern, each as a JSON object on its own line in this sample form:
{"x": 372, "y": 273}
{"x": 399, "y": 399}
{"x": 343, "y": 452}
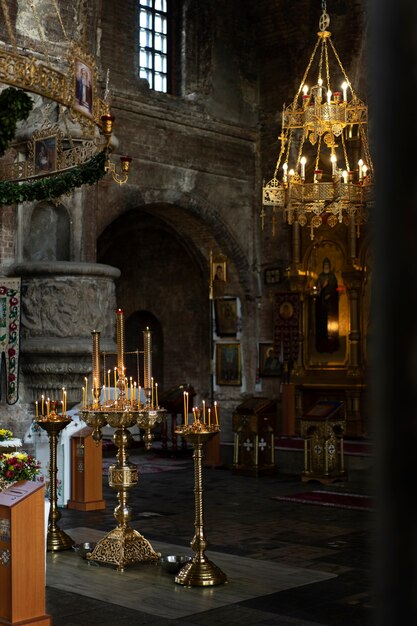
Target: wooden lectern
{"x": 86, "y": 472}
{"x": 22, "y": 555}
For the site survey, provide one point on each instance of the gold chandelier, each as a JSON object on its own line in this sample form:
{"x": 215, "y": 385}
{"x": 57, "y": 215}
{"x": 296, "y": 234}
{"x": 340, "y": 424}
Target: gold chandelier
{"x": 67, "y": 134}
{"x": 324, "y": 171}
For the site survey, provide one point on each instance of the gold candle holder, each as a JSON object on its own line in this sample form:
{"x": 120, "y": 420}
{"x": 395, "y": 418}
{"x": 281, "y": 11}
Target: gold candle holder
{"x": 200, "y": 572}
{"x": 123, "y": 545}
{"x": 53, "y": 423}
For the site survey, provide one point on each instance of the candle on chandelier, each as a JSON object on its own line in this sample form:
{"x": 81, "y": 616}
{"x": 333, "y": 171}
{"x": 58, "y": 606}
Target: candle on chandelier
{"x": 360, "y": 164}
{"x": 329, "y": 96}
{"x": 285, "y": 168}
{"x": 345, "y": 176}
{"x": 344, "y": 86}
{"x": 303, "y": 167}
{"x": 333, "y": 160}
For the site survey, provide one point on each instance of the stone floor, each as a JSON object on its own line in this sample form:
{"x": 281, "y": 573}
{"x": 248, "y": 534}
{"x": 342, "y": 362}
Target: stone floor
{"x": 287, "y": 563}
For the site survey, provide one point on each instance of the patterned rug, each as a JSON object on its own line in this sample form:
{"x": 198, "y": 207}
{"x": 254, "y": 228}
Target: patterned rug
{"x": 331, "y": 498}
{"x": 152, "y": 463}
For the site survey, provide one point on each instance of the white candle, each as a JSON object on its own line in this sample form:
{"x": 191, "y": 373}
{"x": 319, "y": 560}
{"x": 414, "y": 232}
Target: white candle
{"x": 333, "y": 160}
{"x": 329, "y": 96}
{"x": 344, "y": 89}
{"x": 285, "y": 168}
{"x": 303, "y": 167}
{"x": 360, "y": 164}
{"x": 345, "y": 175}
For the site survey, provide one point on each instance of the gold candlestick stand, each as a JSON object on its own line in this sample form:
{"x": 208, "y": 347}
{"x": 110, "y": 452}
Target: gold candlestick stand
{"x": 200, "y": 572}
{"x": 53, "y": 423}
{"x": 123, "y": 545}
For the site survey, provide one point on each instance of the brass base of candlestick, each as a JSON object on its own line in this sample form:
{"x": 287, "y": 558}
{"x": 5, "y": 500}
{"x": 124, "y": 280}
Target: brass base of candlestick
{"x": 57, "y": 539}
{"x": 122, "y": 547}
{"x": 200, "y": 572}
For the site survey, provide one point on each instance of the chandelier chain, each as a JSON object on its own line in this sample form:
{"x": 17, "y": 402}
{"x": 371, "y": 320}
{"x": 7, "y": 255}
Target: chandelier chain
{"x": 8, "y": 23}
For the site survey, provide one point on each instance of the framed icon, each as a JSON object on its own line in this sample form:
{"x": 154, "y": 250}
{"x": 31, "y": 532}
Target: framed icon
{"x": 228, "y": 364}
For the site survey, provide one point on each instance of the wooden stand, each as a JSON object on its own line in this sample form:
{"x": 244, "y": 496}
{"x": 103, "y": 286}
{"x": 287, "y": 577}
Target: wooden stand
{"x": 22, "y": 555}
{"x": 254, "y": 424}
{"x": 212, "y": 456}
{"x": 323, "y": 427}
{"x": 86, "y": 473}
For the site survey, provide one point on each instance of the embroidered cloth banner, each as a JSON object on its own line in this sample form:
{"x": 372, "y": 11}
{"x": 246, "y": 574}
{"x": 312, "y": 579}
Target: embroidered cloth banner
{"x": 10, "y": 335}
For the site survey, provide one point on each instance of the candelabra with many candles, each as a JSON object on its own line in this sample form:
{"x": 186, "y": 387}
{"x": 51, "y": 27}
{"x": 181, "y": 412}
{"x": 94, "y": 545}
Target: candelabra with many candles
{"x": 123, "y": 545}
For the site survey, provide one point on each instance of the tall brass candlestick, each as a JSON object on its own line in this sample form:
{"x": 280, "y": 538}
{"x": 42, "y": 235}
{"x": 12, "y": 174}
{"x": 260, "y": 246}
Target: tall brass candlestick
{"x": 200, "y": 572}
{"x": 57, "y": 539}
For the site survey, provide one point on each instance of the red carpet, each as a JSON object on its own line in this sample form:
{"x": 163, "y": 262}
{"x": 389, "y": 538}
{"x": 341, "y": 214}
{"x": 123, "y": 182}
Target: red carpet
{"x": 331, "y": 498}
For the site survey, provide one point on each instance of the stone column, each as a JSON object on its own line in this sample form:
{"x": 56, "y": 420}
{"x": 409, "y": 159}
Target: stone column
{"x": 62, "y": 302}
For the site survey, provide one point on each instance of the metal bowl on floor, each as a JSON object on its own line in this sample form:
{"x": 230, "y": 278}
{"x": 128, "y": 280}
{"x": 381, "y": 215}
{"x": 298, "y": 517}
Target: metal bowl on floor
{"x": 83, "y": 548}
{"x": 173, "y": 563}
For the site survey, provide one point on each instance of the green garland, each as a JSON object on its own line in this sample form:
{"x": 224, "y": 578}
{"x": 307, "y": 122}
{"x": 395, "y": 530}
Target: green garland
{"x": 56, "y": 185}
{"x": 15, "y": 105}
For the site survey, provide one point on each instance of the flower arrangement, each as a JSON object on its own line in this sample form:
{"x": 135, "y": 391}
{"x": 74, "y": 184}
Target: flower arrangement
{"x": 5, "y": 435}
{"x": 15, "y": 466}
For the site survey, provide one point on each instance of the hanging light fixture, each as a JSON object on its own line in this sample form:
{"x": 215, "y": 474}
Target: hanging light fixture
{"x": 55, "y": 129}
{"x": 324, "y": 171}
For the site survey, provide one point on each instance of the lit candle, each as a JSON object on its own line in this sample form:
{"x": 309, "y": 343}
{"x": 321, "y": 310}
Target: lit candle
{"x": 47, "y": 407}
{"x": 204, "y": 410}
{"x": 65, "y": 401}
{"x": 104, "y": 394}
{"x": 139, "y": 390}
{"x": 319, "y": 82}
{"x": 156, "y": 395}
{"x": 86, "y": 390}
{"x": 216, "y": 414}
{"x": 333, "y": 160}
{"x": 84, "y": 397}
{"x": 62, "y": 407}
{"x": 42, "y": 405}
{"x": 305, "y": 89}
{"x": 152, "y": 391}
{"x": 285, "y": 168}
{"x": 134, "y": 391}
{"x": 360, "y": 164}
{"x": 209, "y": 419}
{"x": 345, "y": 176}
{"x": 96, "y": 357}
{"x": 303, "y": 161}
{"x": 108, "y": 381}
{"x": 147, "y": 358}
{"x": 344, "y": 89}
{"x": 185, "y": 406}
{"x": 36, "y": 409}
{"x": 364, "y": 170}
{"x": 120, "y": 341}
{"x": 115, "y": 381}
